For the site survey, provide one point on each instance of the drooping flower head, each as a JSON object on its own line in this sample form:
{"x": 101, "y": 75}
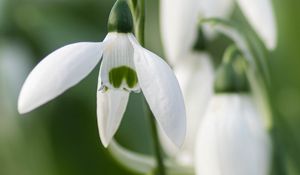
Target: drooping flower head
{"x": 232, "y": 139}
{"x": 179, "y": 22}
{"x": 125, "y": 67}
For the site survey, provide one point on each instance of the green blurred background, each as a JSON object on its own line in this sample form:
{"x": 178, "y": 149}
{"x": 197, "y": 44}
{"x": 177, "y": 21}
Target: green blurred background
{"x": 61, "y": 138}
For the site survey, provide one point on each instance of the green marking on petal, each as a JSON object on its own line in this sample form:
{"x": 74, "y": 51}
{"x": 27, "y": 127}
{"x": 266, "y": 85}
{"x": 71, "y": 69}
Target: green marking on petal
{"x": 118, "y": 74}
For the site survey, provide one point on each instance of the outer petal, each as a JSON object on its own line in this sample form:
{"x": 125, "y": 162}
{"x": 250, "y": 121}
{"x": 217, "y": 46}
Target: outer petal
{"x": 162, "y": 92}
{"x": 215, "y": 8}
{"x": 179, "y": 27}
{"x": 179, "y": 23}
{"x": 111, "y": 106}
{"x": 58, "y": 72}
{"x": 195, "y": 77}
{"x": 232, "y": 139}
{"x": 261, "y": 17}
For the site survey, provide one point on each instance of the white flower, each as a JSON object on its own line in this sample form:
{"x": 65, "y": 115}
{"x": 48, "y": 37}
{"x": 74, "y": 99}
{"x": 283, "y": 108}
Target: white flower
{"x": 232, "y": 139}
{"x": 125, "y": 67}
{"x": 179, "y": 22}
{"x": 14, "y": 61}
{"x": 195, "y": 77}
{"x": 260, "y": 15}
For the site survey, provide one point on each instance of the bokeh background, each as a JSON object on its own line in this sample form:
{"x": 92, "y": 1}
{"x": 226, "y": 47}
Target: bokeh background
{"x": 61, "y": 137}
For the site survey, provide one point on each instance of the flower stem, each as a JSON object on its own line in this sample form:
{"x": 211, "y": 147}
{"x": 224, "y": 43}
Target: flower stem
{"x": 157, "y": 149}
{"x": 139, "y": 18}
{"x": 138, "y": 8}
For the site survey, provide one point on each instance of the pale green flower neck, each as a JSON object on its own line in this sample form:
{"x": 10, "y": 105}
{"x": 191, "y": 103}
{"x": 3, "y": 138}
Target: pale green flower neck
{"x": 120, "y": 18}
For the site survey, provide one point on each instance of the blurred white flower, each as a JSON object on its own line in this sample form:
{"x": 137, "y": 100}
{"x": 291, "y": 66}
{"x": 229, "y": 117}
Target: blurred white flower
{"x": 179, "y": 22}
{"x": 232, "y": 139}
{"x": 125, "y": 67}
{"x": 14, "y": 64}
{"x": 195, "y": 77}
{"x": 260, "y": 15}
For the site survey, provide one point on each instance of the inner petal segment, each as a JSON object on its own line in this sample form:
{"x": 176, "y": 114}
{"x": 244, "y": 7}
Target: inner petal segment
{"x": 117, "y": 68}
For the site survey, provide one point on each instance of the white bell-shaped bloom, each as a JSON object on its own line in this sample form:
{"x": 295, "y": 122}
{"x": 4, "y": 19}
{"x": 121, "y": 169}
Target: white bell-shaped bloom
{"x": 232, "y": 139}
{"x": 125, "y": 67}
{"x": 180, "y": 19}
{"x": 179, "y": 23}
{"x": 195, "y": 77}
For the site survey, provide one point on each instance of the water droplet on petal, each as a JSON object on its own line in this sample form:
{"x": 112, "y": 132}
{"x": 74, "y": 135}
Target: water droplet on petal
{"x": 103, "y": 88}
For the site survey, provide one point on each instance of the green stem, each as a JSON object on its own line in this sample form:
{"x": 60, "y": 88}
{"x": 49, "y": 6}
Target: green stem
{"x": 157, "y": 149}
{"x": 140, "y": 22}
{"x": 139, "y": 17}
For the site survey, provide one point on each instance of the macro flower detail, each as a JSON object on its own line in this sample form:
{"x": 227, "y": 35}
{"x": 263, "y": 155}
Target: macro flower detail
{"x": 125, "y": 67}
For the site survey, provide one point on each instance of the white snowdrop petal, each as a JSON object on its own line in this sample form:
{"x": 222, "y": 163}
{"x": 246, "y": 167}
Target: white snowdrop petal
{"x": 178, "y": 27}
{"x": 215, "y": 8}
{"x": 58, "y": 72}
{"x": 195, "y": 76}
{"x": 261, "y": 16}
{"x": 111, "y": 105}
{"x": 162, "y": 92}
{"x": 232, "y": 139}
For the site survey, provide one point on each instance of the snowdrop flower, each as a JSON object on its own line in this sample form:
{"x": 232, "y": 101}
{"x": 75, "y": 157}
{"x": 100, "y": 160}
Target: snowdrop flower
{"x": 260, "y": 15}
{"x": 126, "y": 67}
{"x": 179, "y": 22}
{"x": 232, "y": 139}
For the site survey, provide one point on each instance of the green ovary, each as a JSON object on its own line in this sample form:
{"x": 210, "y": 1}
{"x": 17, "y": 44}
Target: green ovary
{"x": 123, "y": 73}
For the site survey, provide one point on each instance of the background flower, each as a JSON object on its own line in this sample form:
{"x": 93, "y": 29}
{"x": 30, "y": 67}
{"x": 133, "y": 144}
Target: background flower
{"x": 232, "y": 138}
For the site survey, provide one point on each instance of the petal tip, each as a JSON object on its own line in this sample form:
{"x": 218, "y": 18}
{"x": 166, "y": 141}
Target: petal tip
{"x": 179, "y": 135}
{"x": 104, "y": 143}
{"x": 22, "y": 107}
{"x": 271, "y": 45}
{"x": 105, "y": 140}
{"x": 180, "y": 140}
